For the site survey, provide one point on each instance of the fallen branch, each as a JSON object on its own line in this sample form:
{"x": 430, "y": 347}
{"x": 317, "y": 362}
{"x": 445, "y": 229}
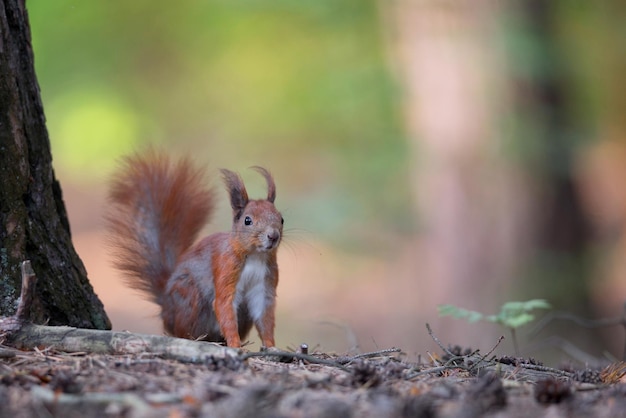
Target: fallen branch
{"x": 17, "y": 332}
{"x": 72, "y": 340}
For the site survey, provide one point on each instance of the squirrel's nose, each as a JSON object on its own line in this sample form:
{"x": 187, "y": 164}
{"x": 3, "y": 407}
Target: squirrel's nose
{"x": 273, "y": 236}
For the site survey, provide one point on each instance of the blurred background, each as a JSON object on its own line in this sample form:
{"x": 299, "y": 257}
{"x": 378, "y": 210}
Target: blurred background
{"x": 425, "y": 152}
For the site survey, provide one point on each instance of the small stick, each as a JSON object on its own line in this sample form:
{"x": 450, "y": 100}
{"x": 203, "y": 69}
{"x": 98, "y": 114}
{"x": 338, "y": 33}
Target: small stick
{"x": 434, "y": 337}
{"x": 370, "y": 355}
{"x": 437, "y": 369}
{"x": 291, "y": 355}
{"x": 465, "y": 357}
{"x": 482, "y": 358}
{"x": 539, "y": 368}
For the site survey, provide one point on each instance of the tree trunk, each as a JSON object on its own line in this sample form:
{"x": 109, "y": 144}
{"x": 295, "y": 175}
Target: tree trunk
{"x": 33, "y": 220}
{"x": 472, "y": 201}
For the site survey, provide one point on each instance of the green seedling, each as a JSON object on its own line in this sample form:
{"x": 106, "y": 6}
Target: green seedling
{"x": 512, "y": 315}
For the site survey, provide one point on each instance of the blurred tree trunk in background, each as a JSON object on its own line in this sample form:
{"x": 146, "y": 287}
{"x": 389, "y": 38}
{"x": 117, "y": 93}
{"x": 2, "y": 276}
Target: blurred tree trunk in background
{"x": 599, "y": 47}
{"x": 502, "y": 184}
{"x": 560, "y": 265}
{"x": 472, "y": 198}
{"x": 33, "y": 220}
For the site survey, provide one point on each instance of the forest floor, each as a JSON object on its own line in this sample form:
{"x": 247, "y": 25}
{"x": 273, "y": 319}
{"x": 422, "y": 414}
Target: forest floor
{"x": 458, "y": 383}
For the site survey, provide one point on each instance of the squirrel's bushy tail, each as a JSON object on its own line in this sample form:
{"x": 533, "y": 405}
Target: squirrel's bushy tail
{"x": 156, "y": 210}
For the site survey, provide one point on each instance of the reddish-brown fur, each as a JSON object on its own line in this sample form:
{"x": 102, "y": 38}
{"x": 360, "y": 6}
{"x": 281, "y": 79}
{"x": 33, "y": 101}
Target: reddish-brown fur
{"x": 216, "y": 289}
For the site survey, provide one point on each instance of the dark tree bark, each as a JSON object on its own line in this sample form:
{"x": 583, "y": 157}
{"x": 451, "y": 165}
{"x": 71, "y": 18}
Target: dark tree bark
{"x": 33, "y": 220}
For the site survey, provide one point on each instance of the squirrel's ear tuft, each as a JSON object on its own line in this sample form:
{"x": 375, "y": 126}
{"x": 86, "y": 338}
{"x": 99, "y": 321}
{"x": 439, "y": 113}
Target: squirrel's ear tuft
{"x": 236, "y": 190}
{"x": 271, "y": 187}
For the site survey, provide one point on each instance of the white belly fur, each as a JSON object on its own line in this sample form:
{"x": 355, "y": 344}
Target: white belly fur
{"x": 251, "y": 288}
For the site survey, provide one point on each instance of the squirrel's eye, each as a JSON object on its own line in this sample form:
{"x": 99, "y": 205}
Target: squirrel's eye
{"x": 247, "y": 221}
{"x": 282, "y": 220}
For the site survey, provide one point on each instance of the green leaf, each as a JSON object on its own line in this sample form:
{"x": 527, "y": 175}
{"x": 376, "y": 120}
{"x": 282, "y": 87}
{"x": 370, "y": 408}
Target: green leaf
{"x": 518, "y": 320}
{"x": 493, "y": 318}
{"x": 473, "y": 316}
{"x": 515, "y": 314}
{"x": 537, "y": 304}
{"x": 512, "y": 314}
{"x": 459, "y": 313}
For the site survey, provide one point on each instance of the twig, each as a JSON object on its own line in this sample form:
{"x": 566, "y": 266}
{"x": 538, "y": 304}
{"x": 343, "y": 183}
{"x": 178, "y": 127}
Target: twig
{"x": 371, "y": 354}
{"x": 287, "y": 355}
{"x": 482, "y": 358}
{"x": 452, "y": 362}
{"x": 539, "y": 368}
{"x": 434, "y": 337}
{"x": 433, "y": 370}
{"x": 339, "y": 363}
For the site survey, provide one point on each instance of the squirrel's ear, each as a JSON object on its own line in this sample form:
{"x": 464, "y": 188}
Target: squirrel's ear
{"x": 236, "y": 190}
{"x": 271, "y": 187}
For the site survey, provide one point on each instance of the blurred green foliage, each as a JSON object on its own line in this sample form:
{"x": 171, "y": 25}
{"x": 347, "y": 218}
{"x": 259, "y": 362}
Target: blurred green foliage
{"x": 300, "y": 86}
{"x": 573, "y": 55}
{"x": 512, "y": 314}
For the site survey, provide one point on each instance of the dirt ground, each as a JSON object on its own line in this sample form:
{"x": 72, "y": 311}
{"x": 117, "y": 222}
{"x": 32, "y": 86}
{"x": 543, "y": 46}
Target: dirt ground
{"x": 382, "y": 384}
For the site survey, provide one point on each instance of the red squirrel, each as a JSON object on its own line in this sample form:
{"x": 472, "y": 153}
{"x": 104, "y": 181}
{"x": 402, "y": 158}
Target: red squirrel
{"x": 215, "y": 289}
